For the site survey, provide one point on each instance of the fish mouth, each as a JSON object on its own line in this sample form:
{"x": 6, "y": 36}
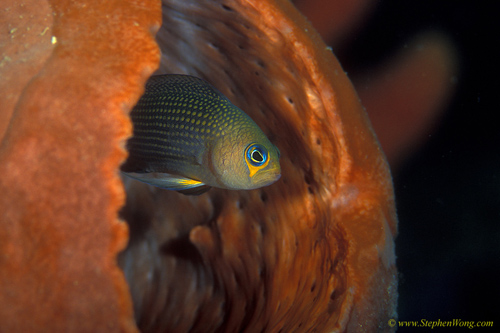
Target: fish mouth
{"x": 268, "y": 178}
{"x": 276, "y": 177}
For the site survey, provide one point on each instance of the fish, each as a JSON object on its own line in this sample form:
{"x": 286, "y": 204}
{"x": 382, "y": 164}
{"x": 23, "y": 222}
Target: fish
{"x": 189, "y": 137}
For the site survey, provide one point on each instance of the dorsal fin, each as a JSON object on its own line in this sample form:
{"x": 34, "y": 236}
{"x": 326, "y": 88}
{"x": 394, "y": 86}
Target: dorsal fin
{"x": 178, "y": 83}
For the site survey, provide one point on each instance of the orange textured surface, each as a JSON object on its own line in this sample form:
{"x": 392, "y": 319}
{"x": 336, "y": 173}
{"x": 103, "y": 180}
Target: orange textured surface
{"x": 312, "y": 252}
{"x": 69, "y": 73}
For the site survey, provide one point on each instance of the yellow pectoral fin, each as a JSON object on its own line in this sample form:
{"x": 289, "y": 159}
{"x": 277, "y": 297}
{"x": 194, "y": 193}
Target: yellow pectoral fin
{"x": 166, "y": 180}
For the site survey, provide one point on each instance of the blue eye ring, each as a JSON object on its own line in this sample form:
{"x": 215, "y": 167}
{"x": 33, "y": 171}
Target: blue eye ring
{"x": 256, "y": 155}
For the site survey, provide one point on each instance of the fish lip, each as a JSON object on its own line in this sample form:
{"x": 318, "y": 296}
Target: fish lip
{"x": 271, "y": 178}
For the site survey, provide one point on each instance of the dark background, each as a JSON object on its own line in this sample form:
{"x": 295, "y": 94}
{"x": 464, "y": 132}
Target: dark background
{"x": 448, "y": 191}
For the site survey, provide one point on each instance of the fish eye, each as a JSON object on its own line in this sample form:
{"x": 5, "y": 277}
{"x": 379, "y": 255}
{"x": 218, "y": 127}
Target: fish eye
{"x": 257, "y": 155}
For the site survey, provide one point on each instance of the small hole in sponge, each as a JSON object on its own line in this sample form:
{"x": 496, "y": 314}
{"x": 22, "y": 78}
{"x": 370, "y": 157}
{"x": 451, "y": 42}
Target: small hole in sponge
{"x": 263, "y": 196}
{"x": 261, "y": 63}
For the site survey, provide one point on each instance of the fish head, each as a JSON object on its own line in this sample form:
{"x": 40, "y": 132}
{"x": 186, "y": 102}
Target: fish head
{"x": 246, "y": 160}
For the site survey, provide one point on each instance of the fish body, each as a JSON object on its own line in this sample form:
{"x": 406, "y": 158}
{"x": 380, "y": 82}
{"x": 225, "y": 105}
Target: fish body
{"x": 189, "y": 137}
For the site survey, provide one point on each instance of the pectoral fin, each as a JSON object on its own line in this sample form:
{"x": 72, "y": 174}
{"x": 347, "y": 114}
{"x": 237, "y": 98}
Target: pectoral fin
{"x": 170, "y": 182}
{"x": 196, "y": 190}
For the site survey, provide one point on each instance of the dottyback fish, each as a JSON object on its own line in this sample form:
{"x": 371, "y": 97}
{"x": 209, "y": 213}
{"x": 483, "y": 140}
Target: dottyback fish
{"x": 189, "y": 137}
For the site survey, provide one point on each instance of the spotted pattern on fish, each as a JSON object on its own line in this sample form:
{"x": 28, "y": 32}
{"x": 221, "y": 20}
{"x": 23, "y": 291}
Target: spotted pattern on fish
{"x": 184, "y": 128}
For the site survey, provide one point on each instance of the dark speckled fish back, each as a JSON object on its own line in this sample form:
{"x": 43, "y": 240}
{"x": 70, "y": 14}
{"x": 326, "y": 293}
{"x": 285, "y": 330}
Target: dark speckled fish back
{"x": 175, "y": 121}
